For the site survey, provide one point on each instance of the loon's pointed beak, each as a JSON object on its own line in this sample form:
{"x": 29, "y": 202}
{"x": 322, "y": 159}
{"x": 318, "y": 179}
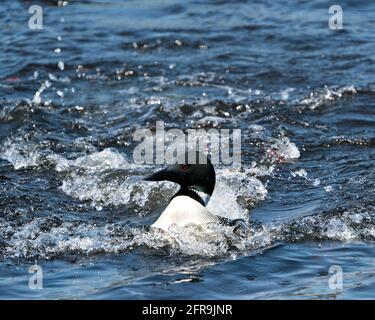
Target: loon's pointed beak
{"x": 158, "y": 176}
{"x": 168, "y": 174}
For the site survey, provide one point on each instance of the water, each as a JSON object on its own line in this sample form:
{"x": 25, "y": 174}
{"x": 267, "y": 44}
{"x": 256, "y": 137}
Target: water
{"x": 72, "y": 94}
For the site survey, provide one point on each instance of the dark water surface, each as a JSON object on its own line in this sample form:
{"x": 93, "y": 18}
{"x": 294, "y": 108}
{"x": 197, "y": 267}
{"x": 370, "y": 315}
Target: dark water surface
{"x": 72, "y": 94}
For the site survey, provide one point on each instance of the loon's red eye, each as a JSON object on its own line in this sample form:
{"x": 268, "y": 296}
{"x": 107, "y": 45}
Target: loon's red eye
{"x": 184, "y": 167}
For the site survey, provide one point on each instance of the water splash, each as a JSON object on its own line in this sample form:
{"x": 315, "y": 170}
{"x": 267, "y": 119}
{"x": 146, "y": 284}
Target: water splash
{"x": 51, "y": 237}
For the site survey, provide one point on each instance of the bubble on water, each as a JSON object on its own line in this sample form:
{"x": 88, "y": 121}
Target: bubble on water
{"x": 61, "y": 65}
{"x": 316, "y": 182}
{"x": 328, "y": 188}
{"x": 256, "y": 128}
{"x": 299, "y": 173}
{"x": 285, "y": 93}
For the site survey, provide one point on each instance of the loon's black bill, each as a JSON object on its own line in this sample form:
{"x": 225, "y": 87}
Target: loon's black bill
{"x": 158, "y": 176}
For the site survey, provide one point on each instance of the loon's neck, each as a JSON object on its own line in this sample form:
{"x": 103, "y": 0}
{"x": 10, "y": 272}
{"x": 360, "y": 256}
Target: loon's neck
{"x": 201, "y": 197}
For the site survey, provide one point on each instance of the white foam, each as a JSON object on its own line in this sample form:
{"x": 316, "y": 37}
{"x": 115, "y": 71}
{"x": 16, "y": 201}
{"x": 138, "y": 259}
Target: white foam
{"x": 106, "y": 178}
{"x": 49, "y": 236}
{"x": 317, "y": 99}
{"x": 235, "y": 193}
{"x": 20, "y": 155}
{"x": 328, "y": 188}
{"x": 283, "y": 150}
{"x": 37, "y": 99}
{"x": 97, "y": 161}
{"x": 299, "y": 173}
{"x": 284, "y": 94}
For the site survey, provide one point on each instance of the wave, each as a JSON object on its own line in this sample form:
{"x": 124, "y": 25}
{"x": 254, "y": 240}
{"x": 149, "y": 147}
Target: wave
{"x": 51, "y": 237}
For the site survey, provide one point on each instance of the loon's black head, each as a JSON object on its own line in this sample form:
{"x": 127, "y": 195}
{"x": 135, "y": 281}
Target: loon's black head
{"x": 193, "y": 172}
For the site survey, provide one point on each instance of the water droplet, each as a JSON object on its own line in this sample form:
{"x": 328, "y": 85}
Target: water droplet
{"x": 61, "y": 65}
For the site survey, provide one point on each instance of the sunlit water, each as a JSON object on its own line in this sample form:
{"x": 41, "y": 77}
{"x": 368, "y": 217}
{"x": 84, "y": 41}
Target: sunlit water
{"x": 72, "y": 200}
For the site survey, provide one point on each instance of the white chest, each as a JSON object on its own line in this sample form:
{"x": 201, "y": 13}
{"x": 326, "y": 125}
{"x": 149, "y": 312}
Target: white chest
{"x": 183, "y": 210}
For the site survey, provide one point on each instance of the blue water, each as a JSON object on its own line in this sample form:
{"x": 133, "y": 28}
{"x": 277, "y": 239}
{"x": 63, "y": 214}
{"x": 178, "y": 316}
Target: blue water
{"x": 73, "y": 93}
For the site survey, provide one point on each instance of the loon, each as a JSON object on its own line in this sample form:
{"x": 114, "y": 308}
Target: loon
{"x": 197, "y": 183}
